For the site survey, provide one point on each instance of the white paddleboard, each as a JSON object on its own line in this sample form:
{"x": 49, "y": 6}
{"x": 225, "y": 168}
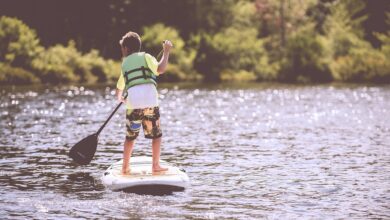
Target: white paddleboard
{"x": 141, "y": 178}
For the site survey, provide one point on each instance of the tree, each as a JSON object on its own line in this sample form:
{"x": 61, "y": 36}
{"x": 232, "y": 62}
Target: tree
{"x": 306, "y": 57}
{"x": 353, "y": 58}
{"x": 235, "y": 49}
{"x": 19, "y": 44}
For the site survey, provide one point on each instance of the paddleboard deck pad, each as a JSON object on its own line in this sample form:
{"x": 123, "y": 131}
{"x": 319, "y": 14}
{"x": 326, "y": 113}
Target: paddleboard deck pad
{"x": 142, "y": 180}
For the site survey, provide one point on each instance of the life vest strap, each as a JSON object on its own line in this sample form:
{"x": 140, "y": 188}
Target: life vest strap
{"x": 141, "y": 77}
{"x": 144, "y": 74}
{"x": 142, "y": 68}
{"x": 147, "y": 76}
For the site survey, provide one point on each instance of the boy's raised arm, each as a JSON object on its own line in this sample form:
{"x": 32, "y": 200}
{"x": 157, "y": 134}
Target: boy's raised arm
{"x": 162, "y": 65}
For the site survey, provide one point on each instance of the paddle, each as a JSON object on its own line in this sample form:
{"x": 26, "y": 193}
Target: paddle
{"x": 83, "y": 152}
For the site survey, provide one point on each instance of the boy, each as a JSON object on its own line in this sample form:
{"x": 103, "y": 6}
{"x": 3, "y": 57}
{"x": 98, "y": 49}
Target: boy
{"x": 138, "y": 81}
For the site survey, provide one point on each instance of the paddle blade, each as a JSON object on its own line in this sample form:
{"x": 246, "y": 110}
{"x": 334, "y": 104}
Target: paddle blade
{"x": 83, "y": 152}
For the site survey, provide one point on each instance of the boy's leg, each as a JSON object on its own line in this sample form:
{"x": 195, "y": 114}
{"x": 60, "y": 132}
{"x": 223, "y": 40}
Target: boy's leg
{"x": 156, "y": 151}
{"x": 152, "y": 130}
{"x": 133, "y": 124}
{"x": 128, "y": 149}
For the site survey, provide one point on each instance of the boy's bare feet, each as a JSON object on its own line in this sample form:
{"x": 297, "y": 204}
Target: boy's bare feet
{"x": 158, "y": 168}
{"x": 126, "y": 171}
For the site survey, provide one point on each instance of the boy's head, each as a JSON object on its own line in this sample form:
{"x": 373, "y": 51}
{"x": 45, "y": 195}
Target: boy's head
{"x": 130, "y": 43}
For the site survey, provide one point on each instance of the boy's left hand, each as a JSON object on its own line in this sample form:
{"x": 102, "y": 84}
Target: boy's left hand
{"x": 167, "y": 45}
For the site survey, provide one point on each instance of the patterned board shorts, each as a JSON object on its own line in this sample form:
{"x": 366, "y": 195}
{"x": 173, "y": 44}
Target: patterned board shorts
{"x": 149, "y": 118}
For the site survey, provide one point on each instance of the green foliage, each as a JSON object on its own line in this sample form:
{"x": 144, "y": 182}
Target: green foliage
{"x": 180, "y": 60}
{"x": 384, "y": 38}
{"x": 208, "y": 61}
{"x": 112, "y": 70}
{"x": 209, "y": 16}
{"x": 19, "y": 44}
{"x": 153, "y": 37}
{"x": 231, "y": 40}
{"x": 318, "y": 13}
{"x": 346, "y": 14}
{"x": 352, "y": 58}
{"x": 243, "y": 15}
{"x": 60, "y": 64}
{"x": 343, "y": 28}
{"x": 271, "y": 14}
{"x": 305, "y": 58}
{"x": 96, "y": 66}
{"x": 16, "y": 76}
{"x": 240, "y": 76}
{"x": 234, "y": 50}
{"x": 362, "y": 65}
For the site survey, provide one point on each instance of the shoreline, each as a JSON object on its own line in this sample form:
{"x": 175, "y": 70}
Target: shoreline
{"x": 193, "y": 85}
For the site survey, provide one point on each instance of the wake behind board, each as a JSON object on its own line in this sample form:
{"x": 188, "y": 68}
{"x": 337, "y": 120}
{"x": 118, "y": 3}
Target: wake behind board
{"x": 141, "y": 180}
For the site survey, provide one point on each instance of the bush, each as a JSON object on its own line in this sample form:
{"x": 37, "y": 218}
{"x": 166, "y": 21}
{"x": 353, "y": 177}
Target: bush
{"x": 306, "y": 58}
{"x": 353, "y": 59}
{"x": 362, "y": 65}
{"x": 232, "y": 51}
{"x": 112, "y": 69}
{"x": 18, "y": 43}
{"x": 60, "y": 64}
{"x": 240, "y": 76}
{"x": 94, "y": 67}
{"x": 207, "y": 60}
{"x": 16, "y": 76}
{"x": 19, "y": 46}
{"x": 384, "y": 38}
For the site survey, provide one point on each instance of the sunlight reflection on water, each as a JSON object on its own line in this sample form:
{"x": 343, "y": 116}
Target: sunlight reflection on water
{"x": 259, "y": 151}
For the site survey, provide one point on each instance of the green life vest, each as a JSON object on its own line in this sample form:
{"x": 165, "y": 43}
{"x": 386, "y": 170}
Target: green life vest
{"x": 136, "y": 72}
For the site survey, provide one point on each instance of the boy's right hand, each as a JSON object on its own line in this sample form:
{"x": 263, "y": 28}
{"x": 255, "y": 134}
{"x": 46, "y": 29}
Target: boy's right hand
{"x": 121, "y": 99}
{"x": 119, "y": 96}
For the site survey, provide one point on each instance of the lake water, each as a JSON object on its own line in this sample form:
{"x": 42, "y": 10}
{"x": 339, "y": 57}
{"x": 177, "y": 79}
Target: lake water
{"x": 262, "y": 151}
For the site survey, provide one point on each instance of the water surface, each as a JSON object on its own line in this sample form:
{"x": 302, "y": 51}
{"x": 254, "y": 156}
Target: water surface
{"x": 265, "y": 151}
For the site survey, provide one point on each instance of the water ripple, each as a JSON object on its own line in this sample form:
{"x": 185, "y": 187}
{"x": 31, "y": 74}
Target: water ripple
{"x": 252, "y": 152}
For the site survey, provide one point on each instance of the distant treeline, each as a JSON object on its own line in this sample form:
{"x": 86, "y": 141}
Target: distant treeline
{"x": 53, "y": 41}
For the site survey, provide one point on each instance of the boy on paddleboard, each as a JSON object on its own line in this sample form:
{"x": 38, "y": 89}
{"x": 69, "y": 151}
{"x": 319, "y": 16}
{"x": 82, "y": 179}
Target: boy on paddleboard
{"x": 138, "y": 81}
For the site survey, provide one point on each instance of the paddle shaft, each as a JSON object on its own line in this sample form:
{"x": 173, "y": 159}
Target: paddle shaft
{"x": 108, "y": 119}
